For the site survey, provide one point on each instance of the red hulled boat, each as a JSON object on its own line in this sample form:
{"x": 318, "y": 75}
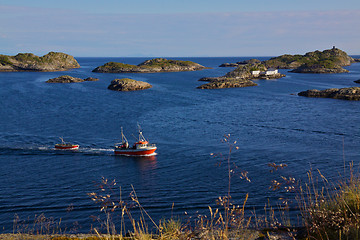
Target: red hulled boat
{"x": 140, "y": 148}
{"x": 66, "y": 146}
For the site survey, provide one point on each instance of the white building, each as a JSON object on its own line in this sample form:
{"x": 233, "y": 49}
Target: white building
{"x": 255, "y": 73}
{"x": 271, "y": 71}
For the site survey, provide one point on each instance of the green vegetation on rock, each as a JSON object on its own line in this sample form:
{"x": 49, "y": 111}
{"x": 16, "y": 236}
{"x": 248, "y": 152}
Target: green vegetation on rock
{"x": 244, "y": 71}
{"x": 150, "y": 66}
{"x": 27, "y": 57}
{"x": 4, "y": 60}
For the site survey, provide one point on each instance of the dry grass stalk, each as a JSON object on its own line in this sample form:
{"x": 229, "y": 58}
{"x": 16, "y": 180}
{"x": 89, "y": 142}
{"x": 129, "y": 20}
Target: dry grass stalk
{"x": 334, "y": 211}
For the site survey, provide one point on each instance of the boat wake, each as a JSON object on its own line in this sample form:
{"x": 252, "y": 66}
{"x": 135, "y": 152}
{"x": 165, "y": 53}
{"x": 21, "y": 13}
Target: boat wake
{"x": 34, "y": 150}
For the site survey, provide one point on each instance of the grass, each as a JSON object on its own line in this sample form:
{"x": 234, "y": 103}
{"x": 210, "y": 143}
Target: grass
{"x": 4, "y": 60}
{"x": 332, "y": 211}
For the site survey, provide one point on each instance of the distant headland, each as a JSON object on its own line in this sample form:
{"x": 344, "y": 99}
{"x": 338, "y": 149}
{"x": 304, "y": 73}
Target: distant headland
{"x": 51, "y": 62}
{"x": 150, "y": 66}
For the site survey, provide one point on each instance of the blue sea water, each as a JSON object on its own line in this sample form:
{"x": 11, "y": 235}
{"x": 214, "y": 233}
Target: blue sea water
{"x": 269, "y": 122}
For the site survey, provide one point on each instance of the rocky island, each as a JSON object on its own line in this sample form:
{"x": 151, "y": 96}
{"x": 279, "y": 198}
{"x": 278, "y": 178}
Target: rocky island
{"x": 127, "y": 84}
{"x": 241, "y": 76}
{"x": 351, "y": 93}
{"x": 150, "y": 66}
{"x": 357, "y": 81}
{"x": 69, "y": 79}
{"x": 53, "y": 61}
{"x": 328, "y": 61}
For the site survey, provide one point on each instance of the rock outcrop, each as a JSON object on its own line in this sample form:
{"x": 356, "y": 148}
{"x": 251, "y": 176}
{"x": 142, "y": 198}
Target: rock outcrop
{"x": 69, "y": 79}
{"x": 327, "y": 61}
{"x": 351, "y": 93}
{"x": 225, "y": 82}
{"x": 318, "y": 68}
{"x": 51, "y": 62}
{"x": 127, "y": 84}
{"x": 150, "y": 66}
{"x": 357, "y": 81}
{"x": 250, "y": 61}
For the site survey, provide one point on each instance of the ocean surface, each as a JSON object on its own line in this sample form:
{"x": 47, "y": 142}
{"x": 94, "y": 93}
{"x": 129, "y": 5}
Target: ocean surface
{"x": 269, "y": 123}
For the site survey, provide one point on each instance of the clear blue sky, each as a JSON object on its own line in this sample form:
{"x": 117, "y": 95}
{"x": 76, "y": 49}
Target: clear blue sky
{"x": 178, "y": 28}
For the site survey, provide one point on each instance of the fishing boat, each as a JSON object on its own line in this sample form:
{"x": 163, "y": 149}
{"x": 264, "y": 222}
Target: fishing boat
{"x": 66, "y": 146}
{"x": 140, "y": 148}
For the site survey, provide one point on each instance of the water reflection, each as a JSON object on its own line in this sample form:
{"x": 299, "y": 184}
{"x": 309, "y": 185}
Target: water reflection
{"x": 143, "y": 163}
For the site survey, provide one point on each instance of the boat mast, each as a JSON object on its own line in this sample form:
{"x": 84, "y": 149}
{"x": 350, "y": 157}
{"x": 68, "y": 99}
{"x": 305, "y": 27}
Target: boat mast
{"x": 141, "y": 136}
{"x": 62, "y": 140}
{"x": 123, "y": 138}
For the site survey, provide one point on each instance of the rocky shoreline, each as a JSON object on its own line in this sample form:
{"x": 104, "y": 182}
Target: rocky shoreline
{"x": 51, "y": 62}
{"x": 150, "y": 66}
{"x": 222, "y": 82}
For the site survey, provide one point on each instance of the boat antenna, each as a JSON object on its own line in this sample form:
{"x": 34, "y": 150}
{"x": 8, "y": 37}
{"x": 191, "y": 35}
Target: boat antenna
{"x": 134, "y": 137}
{"x": 141, "y": 136}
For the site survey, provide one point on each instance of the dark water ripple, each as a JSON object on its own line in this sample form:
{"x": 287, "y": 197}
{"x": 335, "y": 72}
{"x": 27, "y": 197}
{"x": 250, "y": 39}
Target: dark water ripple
{"x": 269, "y": 123}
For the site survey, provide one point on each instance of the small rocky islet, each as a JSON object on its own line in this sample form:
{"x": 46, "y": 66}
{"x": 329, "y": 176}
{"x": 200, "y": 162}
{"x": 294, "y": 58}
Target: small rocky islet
{"x": 70, "y": 79}
{"x": 128, "y": 84}
{"x": 124, "y": 84}
{"x": 150, "y": 66}
{"x": 51, "y": 62}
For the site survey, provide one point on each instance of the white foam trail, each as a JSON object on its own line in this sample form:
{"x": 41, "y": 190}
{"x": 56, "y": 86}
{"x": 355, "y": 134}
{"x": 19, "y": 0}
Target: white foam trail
{"x": 96, "y": 149}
